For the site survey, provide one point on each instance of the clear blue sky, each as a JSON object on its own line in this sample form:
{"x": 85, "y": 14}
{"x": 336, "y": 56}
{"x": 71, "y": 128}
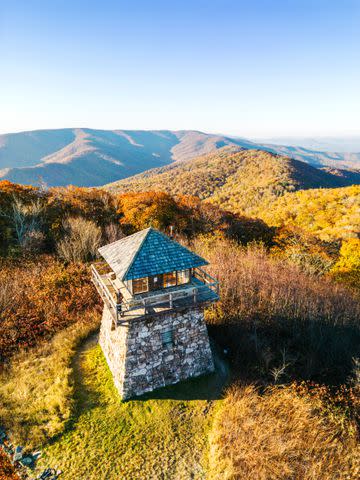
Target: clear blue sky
{"x": 251, "y": 68}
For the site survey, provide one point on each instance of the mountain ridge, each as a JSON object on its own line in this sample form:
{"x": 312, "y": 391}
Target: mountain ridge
{"x": 93, "y": 157}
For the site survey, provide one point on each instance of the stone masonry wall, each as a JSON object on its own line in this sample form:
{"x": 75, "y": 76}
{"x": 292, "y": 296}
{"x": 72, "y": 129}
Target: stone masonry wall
{"x": 113, "y": 344}
{"x": 140, "y": 362}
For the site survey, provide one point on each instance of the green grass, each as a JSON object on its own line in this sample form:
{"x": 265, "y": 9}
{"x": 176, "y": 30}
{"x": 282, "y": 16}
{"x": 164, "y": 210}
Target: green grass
{"x": 163, "y": 435}
{"x": 37, "y": 388}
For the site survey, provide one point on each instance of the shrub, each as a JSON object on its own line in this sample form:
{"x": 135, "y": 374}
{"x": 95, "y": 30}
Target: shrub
{"x": 112, "y": 232}
{"x": 142, "y": 210}
{"x": 22, "y": 216}
{"x": 7, "y": 471}
{"x": 270, "y": 309}
{"x": 312, "y": 255}
{"x": 39, "y": 298}
{"x": 81, "y": 240}
{"x": 347, "y": 268}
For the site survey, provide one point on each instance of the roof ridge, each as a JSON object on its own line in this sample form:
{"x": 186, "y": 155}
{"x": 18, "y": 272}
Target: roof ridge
{"x": 164, "y": 238}
{"x": 178, "y": 244}
{"x": 138, "y": 249}
{"x": 125, "y": 238}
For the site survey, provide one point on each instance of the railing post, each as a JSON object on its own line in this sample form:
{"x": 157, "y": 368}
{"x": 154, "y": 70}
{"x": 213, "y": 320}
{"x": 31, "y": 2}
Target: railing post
{"x": 195, "y": 295}
{"x": 171, "y": 300}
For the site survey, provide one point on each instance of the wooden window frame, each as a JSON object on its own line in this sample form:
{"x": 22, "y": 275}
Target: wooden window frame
{"x": 188, "y": 270}
{"x": 173, "y": 276}
{"x": 143, "y": 291}
{"x": 160, "y": 282}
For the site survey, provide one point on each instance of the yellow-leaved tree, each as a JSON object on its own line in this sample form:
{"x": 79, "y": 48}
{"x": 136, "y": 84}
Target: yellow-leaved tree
{"x": 347, "y": 268}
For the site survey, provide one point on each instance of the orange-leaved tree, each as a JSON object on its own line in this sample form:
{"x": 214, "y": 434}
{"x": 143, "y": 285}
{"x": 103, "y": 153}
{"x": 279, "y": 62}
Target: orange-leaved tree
{"x": 149, "y": 209}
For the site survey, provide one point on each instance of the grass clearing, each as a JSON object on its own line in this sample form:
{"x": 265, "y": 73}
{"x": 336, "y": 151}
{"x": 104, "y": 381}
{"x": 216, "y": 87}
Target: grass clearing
{"x": 159, "y": 436}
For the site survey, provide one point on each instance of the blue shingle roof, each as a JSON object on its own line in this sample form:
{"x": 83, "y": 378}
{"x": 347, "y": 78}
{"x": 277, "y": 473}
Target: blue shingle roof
{"x": 148, "y": 253}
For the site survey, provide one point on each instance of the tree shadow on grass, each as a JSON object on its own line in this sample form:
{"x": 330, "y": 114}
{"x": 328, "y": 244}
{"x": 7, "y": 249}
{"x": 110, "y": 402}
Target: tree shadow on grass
{"x": 314, "y": 351}
{"x": 85, "y": 398}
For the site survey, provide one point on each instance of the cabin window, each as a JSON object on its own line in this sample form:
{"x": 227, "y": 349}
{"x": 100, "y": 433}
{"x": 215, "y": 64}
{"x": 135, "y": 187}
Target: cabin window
{"x": 169, "y": 279}
{"x": 167, "y": 338}
{"x": 156, "y": 282}
{"x": 140, "y": 285}
{"x": 183, "y": 276}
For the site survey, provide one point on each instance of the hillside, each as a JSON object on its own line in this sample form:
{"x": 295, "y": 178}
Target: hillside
{"x": 328, "y": 214}
{"x": 238, "y": 180}
{"x": 344, "y": 143}
{"x": 88, "y": 157}
{"x": 343, "y": 152}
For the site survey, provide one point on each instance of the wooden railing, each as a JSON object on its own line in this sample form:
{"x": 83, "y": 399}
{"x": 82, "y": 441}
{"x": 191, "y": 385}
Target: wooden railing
{"x": 166, "y": 298}
{"x": 163, "y": 300}
{"x": 104, "y": 292}
{"x": 206, "y": 278}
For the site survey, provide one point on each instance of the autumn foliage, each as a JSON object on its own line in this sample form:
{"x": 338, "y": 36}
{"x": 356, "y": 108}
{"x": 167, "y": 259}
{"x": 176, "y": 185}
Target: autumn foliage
{"x": 40, "y": 297}
{"x": 6, "y": 469}
{"x": 347, "y": 268}
{"x": 328, "y": 213}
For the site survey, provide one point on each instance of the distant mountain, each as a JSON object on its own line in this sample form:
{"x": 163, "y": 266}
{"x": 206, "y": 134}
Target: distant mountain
{"x": 87, "y": 157}
{"x": 344, "y": 144}
{"x": 317, "y": 158}
{"x": 238, "y": 180}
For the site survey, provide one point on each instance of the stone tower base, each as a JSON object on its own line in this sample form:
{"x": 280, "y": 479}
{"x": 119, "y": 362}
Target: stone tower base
{"x": 145, "y": 354}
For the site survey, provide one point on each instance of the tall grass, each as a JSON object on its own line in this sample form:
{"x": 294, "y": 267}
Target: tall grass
{"x": 143, "y": 439}
{"x": 280, "y": 435}
{"x": 36, "y": 390}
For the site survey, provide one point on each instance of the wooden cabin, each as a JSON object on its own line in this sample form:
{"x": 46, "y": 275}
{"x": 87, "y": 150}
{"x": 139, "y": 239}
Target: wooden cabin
{"x": 147, "y": 273}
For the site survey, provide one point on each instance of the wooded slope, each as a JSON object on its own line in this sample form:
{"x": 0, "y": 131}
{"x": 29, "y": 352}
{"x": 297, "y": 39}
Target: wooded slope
{"x": 244, "y": 181}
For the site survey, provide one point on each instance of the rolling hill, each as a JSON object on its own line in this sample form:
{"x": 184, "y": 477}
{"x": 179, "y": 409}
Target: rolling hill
{"x": 244, "y": 181}
{"x": 88, "y": 157}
